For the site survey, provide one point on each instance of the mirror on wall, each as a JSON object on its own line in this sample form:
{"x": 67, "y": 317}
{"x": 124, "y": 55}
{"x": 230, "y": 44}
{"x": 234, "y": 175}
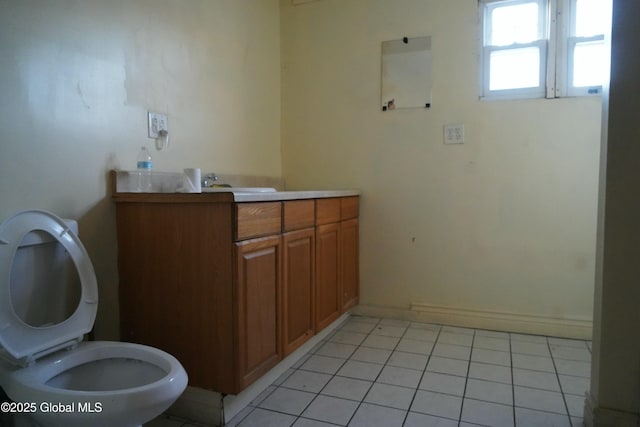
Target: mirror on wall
{"x": 406, "y": 73}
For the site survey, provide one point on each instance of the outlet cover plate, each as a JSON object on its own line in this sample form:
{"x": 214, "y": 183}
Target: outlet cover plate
{"x": 156, "y": 123}
{"x": 454, "y": 134}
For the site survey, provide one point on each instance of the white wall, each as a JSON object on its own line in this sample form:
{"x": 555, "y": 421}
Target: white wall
{"x": 505, "y": 223}
{"x": 77, "y": 78}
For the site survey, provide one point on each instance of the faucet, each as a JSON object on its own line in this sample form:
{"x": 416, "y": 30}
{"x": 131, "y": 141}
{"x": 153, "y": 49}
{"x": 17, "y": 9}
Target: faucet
{"x": 209, "y": 179}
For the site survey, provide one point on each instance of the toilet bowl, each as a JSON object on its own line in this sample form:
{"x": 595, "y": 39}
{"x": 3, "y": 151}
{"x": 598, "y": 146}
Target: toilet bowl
{"x": 46, "y": 369}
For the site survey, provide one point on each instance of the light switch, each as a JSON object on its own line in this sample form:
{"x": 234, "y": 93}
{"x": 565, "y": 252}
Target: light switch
{"x": 454, "y": 134}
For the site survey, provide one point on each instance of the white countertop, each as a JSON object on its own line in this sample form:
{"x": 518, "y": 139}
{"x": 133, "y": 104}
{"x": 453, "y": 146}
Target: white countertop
{"x": 241, "y": 196}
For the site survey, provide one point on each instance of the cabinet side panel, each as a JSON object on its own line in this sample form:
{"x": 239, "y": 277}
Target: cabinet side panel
{"x": 350, "y": 263}
{"x": 175, "y": 289}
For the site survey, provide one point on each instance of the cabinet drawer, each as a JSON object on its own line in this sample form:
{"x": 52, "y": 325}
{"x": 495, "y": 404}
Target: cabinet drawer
{"x": 327, "y": 211}
{"x": 349, "y": 207}
{"x": 298, "y": 214}
{"x": 257, "y": 219}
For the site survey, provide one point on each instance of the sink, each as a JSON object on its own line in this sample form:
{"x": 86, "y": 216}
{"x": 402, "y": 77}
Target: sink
{"x": 238, "y": 190}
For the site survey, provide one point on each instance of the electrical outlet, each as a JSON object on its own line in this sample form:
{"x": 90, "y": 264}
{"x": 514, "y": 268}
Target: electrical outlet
{"x": 454, "y": 134}
{"x": 157, "y": 122}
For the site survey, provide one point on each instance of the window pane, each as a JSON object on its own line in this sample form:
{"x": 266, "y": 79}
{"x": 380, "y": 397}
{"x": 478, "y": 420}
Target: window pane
{"x": 591, "y": 17}
{"x": 514, "y": 68}
{"x": 589, "y": 63}
{"x": 514, "y": 24}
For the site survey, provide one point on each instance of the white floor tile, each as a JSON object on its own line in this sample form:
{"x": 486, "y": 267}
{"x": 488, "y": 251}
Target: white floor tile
{"x": 528, "y": 338}
{"x": 448, "y": 366}
{"x": 574, "y": 385}
{"x": 408, "y": 360}
{"x": 362, "y": 327}
{"x": 492, "y": 334}
{"x": 455, "y": 338}
{"x": 347, "y": 388}
{"x": 381, "y": 341}
{"x": 443, "y": 383}
{"x": 400, "y": 376}
{"x": 484, "y": 371}
{"x": 334, "y": 349}
{"x": 542, "y": 400}
{"x": 306, "y": 422}
{"x": 420, "y": 325}
{"x": 307, "y": 381}
{"x": 395, "y": 322}
{"x": 489, "y": 391}
{"x": 324, "y": 364}
{"x": 566, "y": 342}
{"x": 421, "y": 334}
{"x": 493, "y": 357}
{"x": 487, "y": 413}
{"x": 390, "y": 395}
{"x": 535, "y": 379}
{"x": 575, "y": 405}
{"x": 452, "y": 351}
{"x": 331, "y": 410}
{"x": 534, "y": 363}
{"x": 263, "y": 418}
{"x": 288, "y": 401}
{"x": 369, "y": 415}
{"x": 491, "y": 343}
{"x": 530, "y": 418}
{"x": 572, "y": 367}
{"x": 415, "y": 419}
{"x": 348, "y": 337}
{"x": 458, "y": 330}
{"x": 389, "y": 331}
{"x": 437, "y": 404}
{"x": 415, "y": 346}
{"x": 371, "y": 355}
{"x": 571, "y": 353}
{"x": 531, "y": 348}
{"x": 360, "y": 370}
{"x": 368, "y": 319}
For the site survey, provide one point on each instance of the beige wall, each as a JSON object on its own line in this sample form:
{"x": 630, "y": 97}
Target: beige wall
{"x": 78, "y": 77}
{"x": 505, "y": 223}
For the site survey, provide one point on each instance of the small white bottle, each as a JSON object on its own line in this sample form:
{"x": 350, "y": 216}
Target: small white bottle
{"x": 144, "y": 166}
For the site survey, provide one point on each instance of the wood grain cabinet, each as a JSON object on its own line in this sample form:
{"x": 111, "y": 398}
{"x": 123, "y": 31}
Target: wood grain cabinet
{"x": 298, "y": 273}
{"x": 231, "y": 288}
{"x": 337, "y": 276}
{"x": 258, "y": 289}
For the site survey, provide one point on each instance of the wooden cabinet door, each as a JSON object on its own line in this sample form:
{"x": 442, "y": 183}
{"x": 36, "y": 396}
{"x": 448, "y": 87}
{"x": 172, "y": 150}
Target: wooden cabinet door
{"x": 258, "y": 292}
{"x": 349, "y": 274}
{"x": 298, "y": 286}
{"x": 328, "y": 301}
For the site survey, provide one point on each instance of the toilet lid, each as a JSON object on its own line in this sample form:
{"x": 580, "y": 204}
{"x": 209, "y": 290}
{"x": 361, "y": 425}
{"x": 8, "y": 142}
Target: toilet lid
{"x": 22, "y": 341}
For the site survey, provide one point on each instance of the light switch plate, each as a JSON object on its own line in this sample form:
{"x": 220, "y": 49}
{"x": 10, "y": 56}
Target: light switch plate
{"x": 454, "y": 134}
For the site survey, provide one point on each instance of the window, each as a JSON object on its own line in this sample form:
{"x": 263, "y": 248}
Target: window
{"x": 538, "y": 48}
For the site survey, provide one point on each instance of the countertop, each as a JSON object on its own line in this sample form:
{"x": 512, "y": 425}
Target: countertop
{"x": 228, "y": 196}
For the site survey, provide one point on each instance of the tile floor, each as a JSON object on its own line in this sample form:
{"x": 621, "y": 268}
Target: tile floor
{"x": 383, "y": 372}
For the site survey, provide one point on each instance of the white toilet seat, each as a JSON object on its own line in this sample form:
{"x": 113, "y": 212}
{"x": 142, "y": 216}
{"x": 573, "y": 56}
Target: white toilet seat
{"x": 26, "y": 343}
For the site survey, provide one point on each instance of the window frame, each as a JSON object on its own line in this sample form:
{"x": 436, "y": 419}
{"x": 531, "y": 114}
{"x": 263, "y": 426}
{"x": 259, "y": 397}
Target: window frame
{"x": 486, "y": 50}
{"x": 557, "y": 22}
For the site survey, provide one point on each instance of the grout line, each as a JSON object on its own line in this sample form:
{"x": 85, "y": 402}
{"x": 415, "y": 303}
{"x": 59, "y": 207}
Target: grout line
{"x": 555, "y": 368}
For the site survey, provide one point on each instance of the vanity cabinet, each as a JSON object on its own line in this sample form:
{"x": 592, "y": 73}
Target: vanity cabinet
{"x": 258, "y": 286}
{"x": 298, "y": 274}
{"x": 336, "y": 253}
{"x": 228, "y": 287}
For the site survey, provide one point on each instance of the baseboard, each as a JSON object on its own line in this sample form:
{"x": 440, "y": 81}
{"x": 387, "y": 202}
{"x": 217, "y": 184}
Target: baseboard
{"x": 595, "y": 416}
{"x": 566, "y": 326}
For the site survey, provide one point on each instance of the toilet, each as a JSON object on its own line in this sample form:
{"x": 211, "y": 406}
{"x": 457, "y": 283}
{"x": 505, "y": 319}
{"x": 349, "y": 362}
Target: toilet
{"x": 48, "y": 302}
